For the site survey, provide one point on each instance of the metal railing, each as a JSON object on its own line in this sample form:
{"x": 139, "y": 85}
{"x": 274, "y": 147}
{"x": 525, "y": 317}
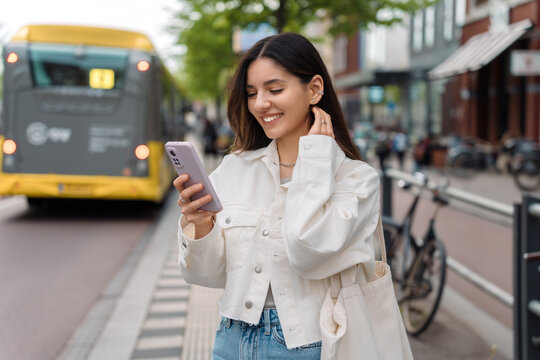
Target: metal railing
{"x": 526, "y": 227}
{"x": 457, "y": 194}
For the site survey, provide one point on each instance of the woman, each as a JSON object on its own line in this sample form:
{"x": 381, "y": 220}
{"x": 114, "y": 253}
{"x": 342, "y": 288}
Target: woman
{"x": 290, "y": 217}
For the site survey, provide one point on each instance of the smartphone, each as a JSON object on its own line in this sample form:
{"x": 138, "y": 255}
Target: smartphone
{"x": 186, "y": 161}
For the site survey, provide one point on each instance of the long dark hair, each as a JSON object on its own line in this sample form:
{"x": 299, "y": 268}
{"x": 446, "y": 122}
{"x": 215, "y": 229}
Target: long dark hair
{"x": 299, "y": 57}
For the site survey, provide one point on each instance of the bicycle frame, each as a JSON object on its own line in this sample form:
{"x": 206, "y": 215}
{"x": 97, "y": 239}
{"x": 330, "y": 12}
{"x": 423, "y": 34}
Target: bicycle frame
{"x": 403, "y": 229}
{"x": 430, "y": 234}
{"x": 418, "y": 267}
{"x": 419, "y": 250}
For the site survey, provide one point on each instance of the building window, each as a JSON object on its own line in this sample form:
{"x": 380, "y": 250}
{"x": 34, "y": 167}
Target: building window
{"x": 375, "y": 46}
{"x": 418, "y": 24}
{"x": 340, "y": 54}
{"x": 461, "y": 10}
{"x": 448, "y": 20}
{"x": 429, "y": 29}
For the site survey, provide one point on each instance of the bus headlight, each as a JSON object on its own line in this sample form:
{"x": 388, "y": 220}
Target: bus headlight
{"x": 9, "y": 147}
{"x": 12, "y": 58}
{"x": 142, "y": 152}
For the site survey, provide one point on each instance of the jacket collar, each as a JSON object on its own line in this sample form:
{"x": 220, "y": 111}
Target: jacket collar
{"x": 269, "y": 155}
{"x": 270, "y": 151}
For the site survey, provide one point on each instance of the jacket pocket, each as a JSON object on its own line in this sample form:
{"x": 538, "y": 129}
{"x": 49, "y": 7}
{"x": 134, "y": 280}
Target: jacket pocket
{"x": 239, "y": 223}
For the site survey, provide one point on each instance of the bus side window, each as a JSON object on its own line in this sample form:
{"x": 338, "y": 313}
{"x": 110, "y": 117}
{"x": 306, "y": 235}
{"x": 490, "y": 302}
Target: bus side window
{"x": 166, "y": 105}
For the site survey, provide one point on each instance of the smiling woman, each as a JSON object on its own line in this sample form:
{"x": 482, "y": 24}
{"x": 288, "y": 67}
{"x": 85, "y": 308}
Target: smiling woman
{"x": 298, "y": 206}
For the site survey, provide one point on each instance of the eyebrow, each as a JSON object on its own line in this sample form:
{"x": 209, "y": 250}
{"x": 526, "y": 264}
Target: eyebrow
{"x": 268, "y": 82}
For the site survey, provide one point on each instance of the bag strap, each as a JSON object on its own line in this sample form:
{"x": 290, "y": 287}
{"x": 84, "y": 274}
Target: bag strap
{"x": 380, "y": 235}
{"x": 344, "y": 278}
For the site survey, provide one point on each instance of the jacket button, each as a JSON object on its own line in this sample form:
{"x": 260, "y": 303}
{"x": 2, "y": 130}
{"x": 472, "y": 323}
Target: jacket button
{"x": 265, "y": 233}
{"x": 258, "y": 269}
{"x": 248, "y": 304}
{"x": 228, "y": 220}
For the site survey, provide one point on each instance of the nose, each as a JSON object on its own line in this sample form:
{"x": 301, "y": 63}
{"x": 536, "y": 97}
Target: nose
{"x": 261, "y": 103}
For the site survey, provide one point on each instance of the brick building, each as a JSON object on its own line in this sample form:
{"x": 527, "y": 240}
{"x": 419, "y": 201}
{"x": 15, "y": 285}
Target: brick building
{"x": 486, "y": 94}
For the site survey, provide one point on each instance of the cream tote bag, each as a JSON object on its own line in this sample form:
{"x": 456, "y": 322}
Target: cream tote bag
{"x": 363, "y": 321}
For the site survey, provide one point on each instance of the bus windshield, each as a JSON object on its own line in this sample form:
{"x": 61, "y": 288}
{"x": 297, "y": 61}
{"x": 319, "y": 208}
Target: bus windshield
{"x": 78, "y": 65}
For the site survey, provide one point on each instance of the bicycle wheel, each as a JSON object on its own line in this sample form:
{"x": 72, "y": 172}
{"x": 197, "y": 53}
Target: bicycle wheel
{"x": 400, "y": 260}
{"x": 527, "y": 175}
{"x": 463, "y": 165}
{"x": 423, "y": 287}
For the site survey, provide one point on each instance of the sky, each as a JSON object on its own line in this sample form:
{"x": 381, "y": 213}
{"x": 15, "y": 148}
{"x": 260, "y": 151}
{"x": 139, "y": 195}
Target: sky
{"x": 150, "y": 17}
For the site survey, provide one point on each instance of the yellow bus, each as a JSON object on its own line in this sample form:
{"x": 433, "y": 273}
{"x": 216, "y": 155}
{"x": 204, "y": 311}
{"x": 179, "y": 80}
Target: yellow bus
{"x": 86, "y": 112}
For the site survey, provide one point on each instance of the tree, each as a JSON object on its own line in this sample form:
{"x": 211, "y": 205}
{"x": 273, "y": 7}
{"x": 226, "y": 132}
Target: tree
{"x": 205, "y": 27}
{"x": 209, "y": 54}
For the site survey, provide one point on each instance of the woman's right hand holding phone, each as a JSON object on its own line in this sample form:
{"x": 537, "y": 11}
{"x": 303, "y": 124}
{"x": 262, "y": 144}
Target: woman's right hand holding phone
{"x": 202, "y": 219}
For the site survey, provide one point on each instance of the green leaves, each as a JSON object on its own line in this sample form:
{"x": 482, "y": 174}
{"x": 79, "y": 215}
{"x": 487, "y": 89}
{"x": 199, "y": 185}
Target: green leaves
{"x": 205, "y": 28}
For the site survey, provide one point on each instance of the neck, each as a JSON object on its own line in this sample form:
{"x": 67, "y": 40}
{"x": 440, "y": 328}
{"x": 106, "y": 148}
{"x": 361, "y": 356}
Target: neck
{"x": 287, "y": 150}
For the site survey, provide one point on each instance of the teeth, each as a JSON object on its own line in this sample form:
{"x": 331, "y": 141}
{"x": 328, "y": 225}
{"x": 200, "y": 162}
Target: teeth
{"x": 271, "y": 118}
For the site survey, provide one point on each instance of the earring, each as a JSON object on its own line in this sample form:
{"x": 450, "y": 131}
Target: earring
{"x": 320, "y": 92}
{"x": 313, "y": 100}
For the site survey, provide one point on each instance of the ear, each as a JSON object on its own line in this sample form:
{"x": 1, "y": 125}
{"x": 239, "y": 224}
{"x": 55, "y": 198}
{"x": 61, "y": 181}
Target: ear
{"x": 316, "y": 88}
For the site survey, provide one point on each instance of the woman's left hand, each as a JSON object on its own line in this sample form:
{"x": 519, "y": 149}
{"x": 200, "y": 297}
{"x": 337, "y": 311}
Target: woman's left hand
{"x": 322, "y": 124}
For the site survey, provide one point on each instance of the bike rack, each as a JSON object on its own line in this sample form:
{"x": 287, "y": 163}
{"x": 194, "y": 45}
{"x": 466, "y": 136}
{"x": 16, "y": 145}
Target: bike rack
{"x": 526, "y": 298}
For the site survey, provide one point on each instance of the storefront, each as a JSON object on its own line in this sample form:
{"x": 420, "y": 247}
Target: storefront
{"x": 483, "y": 98}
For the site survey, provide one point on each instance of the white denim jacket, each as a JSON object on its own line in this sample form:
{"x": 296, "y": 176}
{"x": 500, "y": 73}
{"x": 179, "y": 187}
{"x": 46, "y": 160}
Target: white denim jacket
{"x": 292, "y": 236}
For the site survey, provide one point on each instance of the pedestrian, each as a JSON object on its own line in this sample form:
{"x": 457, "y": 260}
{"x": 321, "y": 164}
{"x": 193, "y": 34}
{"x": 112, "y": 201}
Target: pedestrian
{"x": 288, "y": 223}
{"x": 209, "y": 140}
{"x": 209, "y": 137}
{"x": 383, "y": 147}
{"x": 400, "y": 144}
{"x": 422, "y": 153}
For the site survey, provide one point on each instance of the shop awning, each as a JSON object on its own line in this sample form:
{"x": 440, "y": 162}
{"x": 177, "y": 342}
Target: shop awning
{"x": 479, "y": 50}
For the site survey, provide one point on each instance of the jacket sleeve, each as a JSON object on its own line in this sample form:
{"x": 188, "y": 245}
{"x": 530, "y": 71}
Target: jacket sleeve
{"x": 330, "y": 224}
{"x": 202, "y": 261}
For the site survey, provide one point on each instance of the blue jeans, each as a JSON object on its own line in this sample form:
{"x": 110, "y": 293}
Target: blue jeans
{"x": 237, "y": 340}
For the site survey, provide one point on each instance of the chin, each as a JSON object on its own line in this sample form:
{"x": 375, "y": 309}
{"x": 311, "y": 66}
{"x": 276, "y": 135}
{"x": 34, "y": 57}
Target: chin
{"x": 273, "y": 135}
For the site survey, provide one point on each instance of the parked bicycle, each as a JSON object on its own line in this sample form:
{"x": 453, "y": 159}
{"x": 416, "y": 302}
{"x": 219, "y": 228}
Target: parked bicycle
{"x": 418, "y": 264}
{"x": 524, "y": 164}
{"x": 467, "y": 155}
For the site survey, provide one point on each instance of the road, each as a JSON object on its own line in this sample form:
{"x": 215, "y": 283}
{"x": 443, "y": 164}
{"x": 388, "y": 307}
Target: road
{"x": 54, "y": 264}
